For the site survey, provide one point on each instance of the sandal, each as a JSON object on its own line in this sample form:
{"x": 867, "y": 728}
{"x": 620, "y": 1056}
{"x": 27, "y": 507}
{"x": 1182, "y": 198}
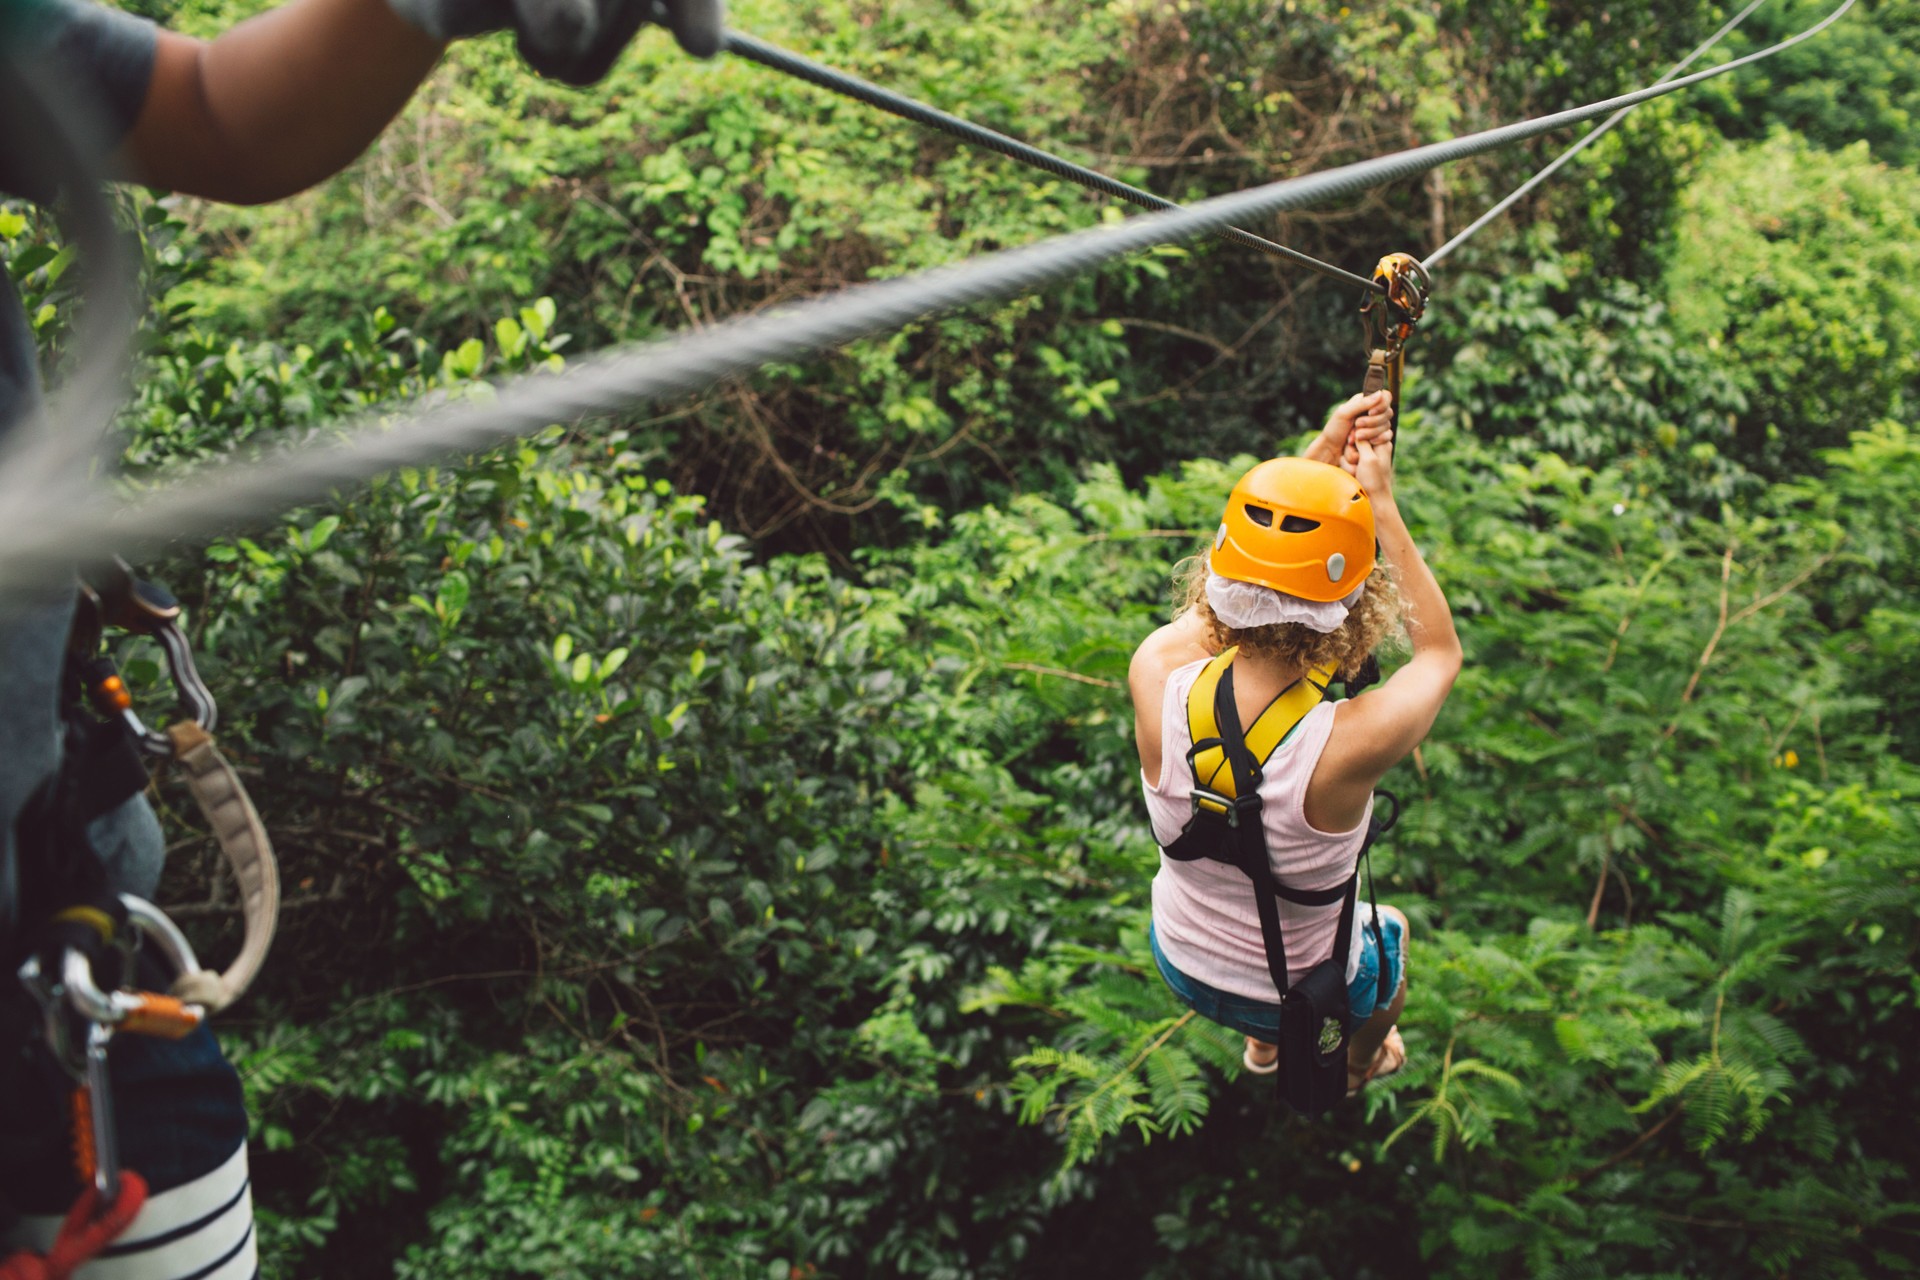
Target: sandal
{"x": 1258, "y": 1068}
{"x": 1391, "y": 1057}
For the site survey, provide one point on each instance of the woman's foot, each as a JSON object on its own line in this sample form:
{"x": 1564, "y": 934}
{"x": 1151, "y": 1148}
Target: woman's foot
{"x": 1261, "y": 1058}
{"x": 1390, "y": 1058}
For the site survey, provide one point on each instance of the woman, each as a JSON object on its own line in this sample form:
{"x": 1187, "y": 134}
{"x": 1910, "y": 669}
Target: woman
{"x": 1290, "y": 614}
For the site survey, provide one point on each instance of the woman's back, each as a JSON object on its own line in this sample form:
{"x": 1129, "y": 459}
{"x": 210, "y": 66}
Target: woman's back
{"x": 1205, "y": 919}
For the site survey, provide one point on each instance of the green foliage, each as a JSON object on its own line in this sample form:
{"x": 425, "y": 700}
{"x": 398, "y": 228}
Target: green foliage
{"x": 679, "y": 192}
{"x": 1614, "y": 206}
{"x": 36, "y": 263}
{"x": 1859, "y": 82}
{"x": 1591, "y": 371}
{"x": 1788, "y": 265}
{"x": 1123, "y": 1069}
{"x": 615, "y": 809}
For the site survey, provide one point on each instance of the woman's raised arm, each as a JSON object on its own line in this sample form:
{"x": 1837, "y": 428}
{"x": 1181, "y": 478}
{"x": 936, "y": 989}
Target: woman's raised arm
{"x": 1376, "y": 730}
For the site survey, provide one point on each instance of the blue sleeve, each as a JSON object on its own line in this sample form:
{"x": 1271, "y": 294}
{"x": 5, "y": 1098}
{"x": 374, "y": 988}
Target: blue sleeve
{"x": 93, "y": 57}
{"x": 110, "y": 52}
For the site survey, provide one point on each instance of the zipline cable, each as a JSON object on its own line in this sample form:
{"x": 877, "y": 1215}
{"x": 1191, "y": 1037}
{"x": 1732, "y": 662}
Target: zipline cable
{"x": 775, "y": 58}
{"x": 1389, "y": 326}
{"x": 47, "y": 531}
{"x": 1600, "y": 130}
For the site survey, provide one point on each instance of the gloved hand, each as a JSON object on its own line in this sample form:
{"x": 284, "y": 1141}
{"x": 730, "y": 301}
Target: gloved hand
{"x": 571, "y": 40}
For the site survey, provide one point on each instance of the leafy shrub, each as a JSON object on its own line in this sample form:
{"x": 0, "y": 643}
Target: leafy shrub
{"x": 1786, "y": 269}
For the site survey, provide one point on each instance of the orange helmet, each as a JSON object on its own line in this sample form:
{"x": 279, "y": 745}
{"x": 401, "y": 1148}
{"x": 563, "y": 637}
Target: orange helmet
{"x": 1305, "y": 528}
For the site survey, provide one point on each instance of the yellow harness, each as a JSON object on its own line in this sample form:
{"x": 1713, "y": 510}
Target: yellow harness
{"x": 1213, "y": 783}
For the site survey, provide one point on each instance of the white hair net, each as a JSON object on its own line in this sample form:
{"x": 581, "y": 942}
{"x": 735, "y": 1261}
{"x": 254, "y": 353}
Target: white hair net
{"x": 1240, "y": 605}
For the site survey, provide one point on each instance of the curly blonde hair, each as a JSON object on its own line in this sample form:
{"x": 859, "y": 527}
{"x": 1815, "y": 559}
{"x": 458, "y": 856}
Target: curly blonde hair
{"x": 1375, "y": 620}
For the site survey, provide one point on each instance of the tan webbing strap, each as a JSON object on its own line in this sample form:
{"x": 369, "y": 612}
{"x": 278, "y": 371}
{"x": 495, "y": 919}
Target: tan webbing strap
{"x": 1383, "y": 374}
{"x": 243, "y": 838}
{"x": 1270, "y": 729}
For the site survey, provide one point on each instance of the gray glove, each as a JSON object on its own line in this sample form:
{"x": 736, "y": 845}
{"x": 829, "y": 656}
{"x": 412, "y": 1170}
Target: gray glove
{"x": 571, "y": 40}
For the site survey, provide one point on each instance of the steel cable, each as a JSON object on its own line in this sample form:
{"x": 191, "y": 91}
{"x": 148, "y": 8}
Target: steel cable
{"x": 1558, "y": 162}
{"x": 48, "y": 530}
{"x": 775, "y": 58}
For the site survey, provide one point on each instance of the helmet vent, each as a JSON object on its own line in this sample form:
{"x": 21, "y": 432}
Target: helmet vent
{"x": 1260, "y": 515}
{"x": 1298, "y": 524}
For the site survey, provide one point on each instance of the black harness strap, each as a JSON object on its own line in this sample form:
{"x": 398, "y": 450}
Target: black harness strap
{"x": 1249, "y": 829}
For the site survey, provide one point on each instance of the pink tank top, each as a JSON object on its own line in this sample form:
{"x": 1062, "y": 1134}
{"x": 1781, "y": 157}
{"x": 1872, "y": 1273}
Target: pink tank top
{"x": 1203, "y": 911}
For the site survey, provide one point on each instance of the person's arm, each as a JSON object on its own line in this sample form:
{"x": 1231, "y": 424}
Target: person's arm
{"x": 1161, "y": 654}
{"x": 1376, "y": 730}
{"x": 277, "y": 103}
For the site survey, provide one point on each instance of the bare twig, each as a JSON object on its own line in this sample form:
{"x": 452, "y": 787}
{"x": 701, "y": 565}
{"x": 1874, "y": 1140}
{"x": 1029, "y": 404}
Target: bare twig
{"x": 1626, "y": 618}
{"x": 1713, "y": 642}
{"x": 1628, "y": 1150}
{"x": 1037, "y": 669}
{"x": 1632, "y": 815}
{"x": 1626, "y": 890}
{"x": 1600, "y": 885}
{"x": 1226, "y": 353}
{"x": 1139, "y": 1058}
{"x": 1746, "y": 611}
{"x": 1774, "y": 596}
{"x": 1178, "y": 331}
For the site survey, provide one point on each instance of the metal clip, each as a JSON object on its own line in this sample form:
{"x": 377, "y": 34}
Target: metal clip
{"x": 1389, "y": 317}
{"x": 1206, "y": 800}
{"x": 79, "y": 1020}
{"x": 96, "y": 1138}
{"x": 72, "y": 1001}
{"x": 111, "y": 596}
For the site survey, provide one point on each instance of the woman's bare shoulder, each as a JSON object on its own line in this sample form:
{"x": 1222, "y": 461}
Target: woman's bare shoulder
{"x": 1171, "y": 647}
{"x": 1168, "y": 649}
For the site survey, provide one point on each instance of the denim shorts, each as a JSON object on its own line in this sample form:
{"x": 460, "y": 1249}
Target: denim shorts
{"x": 1260, "y": 1018}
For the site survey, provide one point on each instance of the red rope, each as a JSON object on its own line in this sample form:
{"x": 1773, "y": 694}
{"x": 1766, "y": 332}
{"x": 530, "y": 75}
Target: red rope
{"x": 83, "y": 1235}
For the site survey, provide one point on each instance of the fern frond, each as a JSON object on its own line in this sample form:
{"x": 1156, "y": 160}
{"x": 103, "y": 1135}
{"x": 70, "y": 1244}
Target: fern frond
{"x": 1179, "y": 1098}
{"x": 1675, "y": 1080}
{"x": 1478, "y": 1067}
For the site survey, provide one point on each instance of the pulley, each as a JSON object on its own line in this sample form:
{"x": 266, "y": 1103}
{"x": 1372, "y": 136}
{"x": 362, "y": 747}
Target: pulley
{"x": 1389, "y": 317}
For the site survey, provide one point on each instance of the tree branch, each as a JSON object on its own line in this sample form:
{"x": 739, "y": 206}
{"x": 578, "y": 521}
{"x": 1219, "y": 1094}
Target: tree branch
{"x": 1713, "y": 642}
{"x": 1633, "y": 1146}
{"x": 1037, "y": 669}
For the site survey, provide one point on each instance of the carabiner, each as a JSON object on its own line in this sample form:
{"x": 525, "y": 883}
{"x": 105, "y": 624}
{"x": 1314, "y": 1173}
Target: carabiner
{"x": 1389, "y": 317}
{"x": 110, "y": 596}
{"x": 79, "y": 1020}
{"x": 72, "y": 998}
